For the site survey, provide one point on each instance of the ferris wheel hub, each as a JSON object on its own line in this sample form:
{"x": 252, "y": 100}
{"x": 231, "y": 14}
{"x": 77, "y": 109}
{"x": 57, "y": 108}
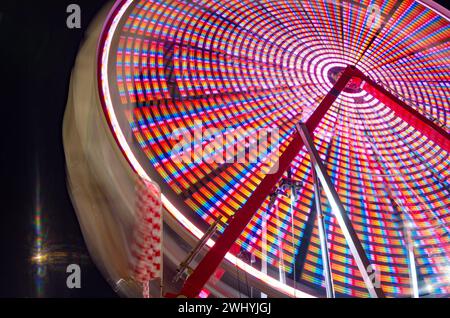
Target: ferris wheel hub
{"x": 353, "y": 87}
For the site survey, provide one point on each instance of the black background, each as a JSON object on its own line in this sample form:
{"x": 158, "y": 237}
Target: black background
{"x": 37, "y": 52}
{"x": 37, "y": 55}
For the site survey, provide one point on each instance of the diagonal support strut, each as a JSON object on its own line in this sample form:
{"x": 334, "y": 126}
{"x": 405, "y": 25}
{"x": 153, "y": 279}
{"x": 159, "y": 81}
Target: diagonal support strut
{"x": 341, "y": 216}
{"x": 326, "y": 263}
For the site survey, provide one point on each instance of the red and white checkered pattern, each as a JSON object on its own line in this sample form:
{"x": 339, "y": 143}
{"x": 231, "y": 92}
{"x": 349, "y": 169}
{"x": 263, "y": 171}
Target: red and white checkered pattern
{"x": 146, "y": 249}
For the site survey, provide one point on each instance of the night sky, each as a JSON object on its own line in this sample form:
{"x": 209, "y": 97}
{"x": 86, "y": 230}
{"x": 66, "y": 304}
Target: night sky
{"x": 37, "y": 52}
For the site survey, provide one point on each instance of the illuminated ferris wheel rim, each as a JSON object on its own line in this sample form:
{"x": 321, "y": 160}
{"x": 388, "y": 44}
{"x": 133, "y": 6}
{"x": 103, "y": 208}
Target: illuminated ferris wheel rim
{"x": 107, "y": 35}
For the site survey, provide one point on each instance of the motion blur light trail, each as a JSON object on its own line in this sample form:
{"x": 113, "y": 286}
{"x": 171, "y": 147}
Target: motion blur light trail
{"x": 165, "y": 65}
{"x": 39, "y": 257}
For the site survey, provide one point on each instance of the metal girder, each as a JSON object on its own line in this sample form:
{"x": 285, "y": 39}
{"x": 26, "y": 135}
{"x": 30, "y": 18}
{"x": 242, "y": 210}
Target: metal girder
{"x": 242, "y": 217}
{"x": 412, "y": 265}
{"x": 185, "y": 264}
{"x": 329, "y": 286}
{"x": 344, "y": 222}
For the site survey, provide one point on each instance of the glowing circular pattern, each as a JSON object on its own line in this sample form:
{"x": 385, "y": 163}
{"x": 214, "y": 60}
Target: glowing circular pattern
{"x": 169, "y": 65}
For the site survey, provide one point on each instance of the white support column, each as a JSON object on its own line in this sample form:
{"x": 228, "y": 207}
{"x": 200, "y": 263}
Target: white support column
{"x": 281, "y": 267}
{"x": 339, "y": 212}
{"x": 323, "y": 240}
{"x": 411, "y": 261}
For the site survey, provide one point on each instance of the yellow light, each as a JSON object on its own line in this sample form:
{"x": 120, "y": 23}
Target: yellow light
{"x": 39, "y": 258}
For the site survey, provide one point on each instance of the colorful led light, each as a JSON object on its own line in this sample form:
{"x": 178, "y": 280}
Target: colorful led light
{"x": 166, "y": 65}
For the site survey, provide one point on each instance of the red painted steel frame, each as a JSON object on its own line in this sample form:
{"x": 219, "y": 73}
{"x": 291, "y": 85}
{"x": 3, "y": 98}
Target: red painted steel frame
{"x": 427, "y": 127}
{"x": 215, "y": 255}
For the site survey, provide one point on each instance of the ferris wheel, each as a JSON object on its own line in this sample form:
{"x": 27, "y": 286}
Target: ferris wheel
{"x": 312, "y": 135}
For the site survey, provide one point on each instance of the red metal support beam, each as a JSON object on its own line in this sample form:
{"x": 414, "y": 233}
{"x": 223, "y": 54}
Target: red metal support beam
{"x": 427, "y": 127}
{"x": 205, "y": 269}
